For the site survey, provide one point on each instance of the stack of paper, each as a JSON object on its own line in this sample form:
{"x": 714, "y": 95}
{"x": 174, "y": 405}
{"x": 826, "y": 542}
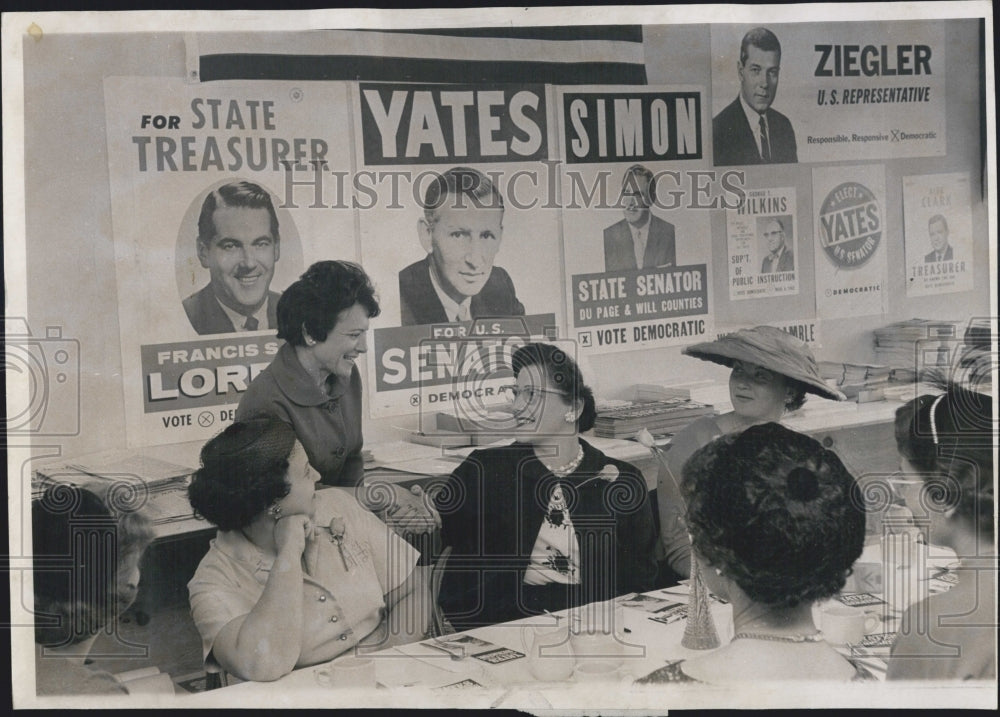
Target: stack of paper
{"x": 855, "y": 379}
{"x": 658, "y": 417}
{"x": 910, "y": 346}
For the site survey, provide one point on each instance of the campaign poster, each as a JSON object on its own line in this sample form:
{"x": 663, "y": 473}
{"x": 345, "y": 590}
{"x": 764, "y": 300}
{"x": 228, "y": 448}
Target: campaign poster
{"x": 198, "y": 287}
{"x": 828, "y": 93}
{"x": 763, "y": 245}
{"x": 807, "y": 330}
{"x": 850, "y": 234}
{"x": 937, "y": 221}
{"x": 636, "y": 203}
{"x": 458, "y": 231}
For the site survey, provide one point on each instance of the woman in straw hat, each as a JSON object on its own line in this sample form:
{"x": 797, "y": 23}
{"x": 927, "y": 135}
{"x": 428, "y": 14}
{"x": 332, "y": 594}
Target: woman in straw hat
{"x": 772, "y": 371}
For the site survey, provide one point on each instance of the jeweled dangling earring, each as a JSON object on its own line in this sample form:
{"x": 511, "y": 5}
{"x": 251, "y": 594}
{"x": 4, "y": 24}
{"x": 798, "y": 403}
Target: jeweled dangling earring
{"x": 275, "y": 512}
{"x": 570, "y": 416}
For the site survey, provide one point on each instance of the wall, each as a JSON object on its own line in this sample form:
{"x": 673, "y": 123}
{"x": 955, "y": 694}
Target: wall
{"x": 70, "y": 265}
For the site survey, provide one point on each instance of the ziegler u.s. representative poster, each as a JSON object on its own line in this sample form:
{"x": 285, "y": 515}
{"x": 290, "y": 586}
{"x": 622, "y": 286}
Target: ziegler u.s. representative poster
{"x": 827, "y": 93}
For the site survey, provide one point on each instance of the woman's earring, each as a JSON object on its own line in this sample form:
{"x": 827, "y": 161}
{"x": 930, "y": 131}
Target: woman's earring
{"x": 275, "y": 511}
{"x": 718, "y": 571}
{"x": 570, "y": 416}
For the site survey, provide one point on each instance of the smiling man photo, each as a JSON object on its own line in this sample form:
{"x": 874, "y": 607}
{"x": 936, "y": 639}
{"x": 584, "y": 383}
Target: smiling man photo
{"x": 239, "y": 244}
{"x": 461, "y": 230}
{"x": 748, "y": 131}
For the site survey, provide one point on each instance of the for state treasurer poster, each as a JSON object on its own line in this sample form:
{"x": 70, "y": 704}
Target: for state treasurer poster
{"x": 635, "y": 215}
{"x": 458, "y": 232}
{"x": 198, "y": 313}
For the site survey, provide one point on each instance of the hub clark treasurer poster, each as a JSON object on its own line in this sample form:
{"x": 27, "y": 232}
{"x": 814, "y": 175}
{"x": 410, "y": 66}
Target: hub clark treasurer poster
{"x": 636, "y": 202}
{"x": 197, "y": 314}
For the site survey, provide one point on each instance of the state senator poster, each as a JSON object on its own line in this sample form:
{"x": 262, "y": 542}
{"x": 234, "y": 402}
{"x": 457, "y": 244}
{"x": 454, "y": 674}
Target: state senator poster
{"x": 937, "y": 220}
{"x": 636, "y": 215}
{"x": 851, "y": 236}
{"x": 840, "y": 91}
{"x": 459, "y": 235}
{"x": 188, "y": 351}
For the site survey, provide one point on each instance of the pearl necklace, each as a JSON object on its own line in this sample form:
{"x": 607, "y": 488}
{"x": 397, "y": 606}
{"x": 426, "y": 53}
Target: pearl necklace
{"x": 566, "y": 468}
{"x": 818, "y": 637}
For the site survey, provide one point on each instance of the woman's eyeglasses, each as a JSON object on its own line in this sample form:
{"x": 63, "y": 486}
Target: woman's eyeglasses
{"x": 512, "y": 392}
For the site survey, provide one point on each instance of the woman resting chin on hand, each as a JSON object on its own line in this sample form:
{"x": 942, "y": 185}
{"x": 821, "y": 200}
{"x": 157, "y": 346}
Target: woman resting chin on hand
{"x": 293, "y": 577}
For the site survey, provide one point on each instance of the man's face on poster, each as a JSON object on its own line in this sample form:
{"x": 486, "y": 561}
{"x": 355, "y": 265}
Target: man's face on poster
{"x": 939, "y": 235}
{"x": 635, "y": 199}
{"x": 759, "y": 77}
{"x": 240, "y": 256}
{"x": 464, "y": 240}
{"x": 774, "y": 235}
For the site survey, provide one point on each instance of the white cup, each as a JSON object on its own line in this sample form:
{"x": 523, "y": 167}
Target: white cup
{"x": 598, "y": 646}
{"x": 597, "y": 670}
{"x": 843, "y": 625}
{"x": 354, "y": 672}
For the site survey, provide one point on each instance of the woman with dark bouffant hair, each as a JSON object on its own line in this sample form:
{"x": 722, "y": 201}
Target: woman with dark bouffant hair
{"x": 945, "y": 443}
{"x": 294, "y": 577}
{"x": 776, "y": 523}
{"x": 86, "y": 551}
{"x": 554, "y": 521}
{"x": 314, "y": 385}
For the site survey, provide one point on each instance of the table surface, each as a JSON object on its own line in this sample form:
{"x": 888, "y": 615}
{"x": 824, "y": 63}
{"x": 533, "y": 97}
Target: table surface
{"x": 399, "y": 461}
{"x": 423, "y": 672}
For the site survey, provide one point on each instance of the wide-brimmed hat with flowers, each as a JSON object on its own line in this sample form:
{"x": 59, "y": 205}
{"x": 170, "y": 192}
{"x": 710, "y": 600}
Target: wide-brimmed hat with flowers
{"x": 772, "y": 348}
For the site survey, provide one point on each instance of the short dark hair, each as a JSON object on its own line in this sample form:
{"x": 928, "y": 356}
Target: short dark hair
{"x": 235, "y": 194}
{"x": 798, "y": 398}
{"x": 315, "y": 301}
{"x": 638, "y": 170}
{"x": 81, "y": 538}
{"x": 460, "y": 182}
{"x": 762, "y": 39}
{"x": 242, "y": 472}
{"x": 938, "y": 218}
{"x": 775, "y": 511}
{"x": 564, "y": 376}
{"x": 949, "y": 437}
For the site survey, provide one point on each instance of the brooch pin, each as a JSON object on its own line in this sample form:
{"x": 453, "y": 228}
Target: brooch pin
{"x": 337, "y": 530}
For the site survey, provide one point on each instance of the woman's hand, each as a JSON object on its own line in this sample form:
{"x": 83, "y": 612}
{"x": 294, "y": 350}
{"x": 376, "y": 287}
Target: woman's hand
{"x": 412, "y": 511}
{"x": 291, "y": 533}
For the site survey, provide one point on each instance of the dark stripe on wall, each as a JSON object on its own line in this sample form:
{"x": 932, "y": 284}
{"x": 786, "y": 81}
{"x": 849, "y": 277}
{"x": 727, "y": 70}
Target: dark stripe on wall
{"x": 610, "y": 33}
{"x": 251, "y": 66}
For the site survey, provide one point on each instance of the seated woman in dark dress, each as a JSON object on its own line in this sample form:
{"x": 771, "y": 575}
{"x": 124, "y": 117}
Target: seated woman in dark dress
{"x": 776, "y": 522}
{"x": 548, "y": 522}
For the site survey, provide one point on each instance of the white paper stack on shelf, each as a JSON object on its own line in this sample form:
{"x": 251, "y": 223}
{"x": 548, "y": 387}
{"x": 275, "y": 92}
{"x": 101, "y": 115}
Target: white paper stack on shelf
{"x": 118, "y": 466}
{"x": 706, "y": 391}
{"x": 915, "y": 344}
{"x": 658, "y": 417}
{"x": 161, "y": 486}
{"x": 862, "y": 382}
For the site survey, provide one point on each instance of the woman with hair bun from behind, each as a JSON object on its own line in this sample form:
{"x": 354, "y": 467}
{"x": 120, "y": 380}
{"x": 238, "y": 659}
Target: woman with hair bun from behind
{"x": 945, "y": 444}
{"x": 776, "y": 523}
